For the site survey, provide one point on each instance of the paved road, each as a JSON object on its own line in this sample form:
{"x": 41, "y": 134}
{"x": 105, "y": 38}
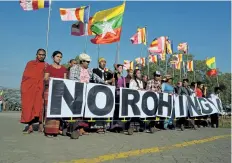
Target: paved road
{"x": 204, "y": 145}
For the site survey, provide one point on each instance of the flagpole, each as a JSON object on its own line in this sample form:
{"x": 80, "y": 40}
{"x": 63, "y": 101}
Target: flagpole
{"x": 180, "y": 69}
{"x": 86, "y": 31}
{"x": 217, "y": 80}
{"x": 194, "y": 76}
{"x": 117, "y": 54}
{"x": 86, "y": 35}
{"x": 148, "y": 64}
{"x": 98, "y": 53}
{"x": 47, "y": 37}
{"x": 48, "y": 27}
{"x": 166, "y": 68}
{"x": 187, "y": 61}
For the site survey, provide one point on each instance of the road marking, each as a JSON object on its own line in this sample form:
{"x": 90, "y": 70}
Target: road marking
{"x": 121, "y": 155}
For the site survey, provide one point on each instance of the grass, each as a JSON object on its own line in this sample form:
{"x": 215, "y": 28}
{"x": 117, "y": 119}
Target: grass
{"x": 225, "y": 122}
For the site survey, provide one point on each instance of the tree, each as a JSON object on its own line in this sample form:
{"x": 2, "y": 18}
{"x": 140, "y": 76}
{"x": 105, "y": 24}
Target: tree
{"x": 66, "y": 65}
{"x": 199, "y": 74}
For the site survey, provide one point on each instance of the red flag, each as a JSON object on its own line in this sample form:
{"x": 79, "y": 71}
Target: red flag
{"x": 212, "y": 72}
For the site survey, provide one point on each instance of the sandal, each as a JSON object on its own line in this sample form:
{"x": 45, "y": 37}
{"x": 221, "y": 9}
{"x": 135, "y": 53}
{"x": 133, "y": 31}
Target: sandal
{"x": 29, "y": 131}
{"x": 100, "y": 131}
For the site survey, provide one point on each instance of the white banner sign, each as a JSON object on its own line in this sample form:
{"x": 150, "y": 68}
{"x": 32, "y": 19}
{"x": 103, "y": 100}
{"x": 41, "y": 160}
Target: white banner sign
{"x": 68, "y": 98}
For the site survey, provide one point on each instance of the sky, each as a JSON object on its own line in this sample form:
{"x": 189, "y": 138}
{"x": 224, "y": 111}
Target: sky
{"x": 206, "y": 26}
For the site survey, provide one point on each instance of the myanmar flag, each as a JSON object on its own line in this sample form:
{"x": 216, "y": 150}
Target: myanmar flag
{"x": 211, "y": 63}
{"x": 107, "y": 25}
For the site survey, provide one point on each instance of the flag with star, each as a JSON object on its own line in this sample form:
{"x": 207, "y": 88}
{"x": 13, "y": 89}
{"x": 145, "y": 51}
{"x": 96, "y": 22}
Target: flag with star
{"x": 107, "y": 25}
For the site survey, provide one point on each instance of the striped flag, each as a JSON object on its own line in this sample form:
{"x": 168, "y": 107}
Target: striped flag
{"x": 183, "y": 47}
{"x": 79, "y": 29}
{"x": 158, "y": 45}
{"x": 153, "y": 58}
{"x": 29, "y": 5}
{"x": 128, "y": 65}
{"x": 168, "y": 46}
{"x": 178, "y": 57}
{"x": 175, "y": 64}
{"x": 178, "y": 65}
{"x": 190, "y": 66}
{"x": 73, "y": 14}
{"x": 162, "y": 56}
{"x": 139, "y": 37}
{"x": 140, "y": 61}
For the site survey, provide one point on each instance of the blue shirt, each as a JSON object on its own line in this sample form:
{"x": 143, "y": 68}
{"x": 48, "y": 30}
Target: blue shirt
{"x": 167, "y": 88}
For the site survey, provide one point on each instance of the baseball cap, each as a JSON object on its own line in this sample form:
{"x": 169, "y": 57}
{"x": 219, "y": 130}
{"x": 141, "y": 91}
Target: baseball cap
{"x": 157, "y": 73}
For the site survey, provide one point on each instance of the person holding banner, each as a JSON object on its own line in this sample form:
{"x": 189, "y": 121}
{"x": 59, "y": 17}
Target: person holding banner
{"x": 185, "y": 90}
{"x": 119, "y": 82}
{"x": 82, "y": 73}
{"x": 136, "y": 82}
{"x": 55, "y": 70}
{"x": 129, "y": 77}
{"x": 168, "y": 88}
{"x": 32, "y": 87}
{"x": 155, "y": 83}
{"x": 102, "y": 73}
{"x": 145, "y": 78}
{"x": 167, "y": 85}
{"x": 107, "y": 77}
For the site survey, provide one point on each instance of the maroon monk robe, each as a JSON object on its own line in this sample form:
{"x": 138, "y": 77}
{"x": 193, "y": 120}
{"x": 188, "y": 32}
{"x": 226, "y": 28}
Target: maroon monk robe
{"x": 32, "y": 87}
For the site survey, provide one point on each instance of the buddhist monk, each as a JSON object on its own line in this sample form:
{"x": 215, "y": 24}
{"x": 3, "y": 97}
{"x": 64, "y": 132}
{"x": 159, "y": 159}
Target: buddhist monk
{"x": 32, "y": 87}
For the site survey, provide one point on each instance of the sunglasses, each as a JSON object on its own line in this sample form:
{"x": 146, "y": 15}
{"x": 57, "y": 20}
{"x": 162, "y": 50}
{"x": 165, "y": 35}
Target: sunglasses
{"x": 86, "y": 61}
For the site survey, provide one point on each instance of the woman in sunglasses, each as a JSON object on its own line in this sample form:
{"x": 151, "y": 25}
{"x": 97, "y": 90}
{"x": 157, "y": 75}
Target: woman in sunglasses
{"x": 82, "y": 73}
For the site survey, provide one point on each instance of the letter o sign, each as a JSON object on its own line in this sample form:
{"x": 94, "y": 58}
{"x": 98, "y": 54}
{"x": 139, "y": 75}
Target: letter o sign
{"x": 91, "y": 100}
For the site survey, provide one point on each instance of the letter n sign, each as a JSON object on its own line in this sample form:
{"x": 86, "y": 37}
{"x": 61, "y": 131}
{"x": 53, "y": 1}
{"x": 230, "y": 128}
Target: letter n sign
{"x": 66, "y": 98}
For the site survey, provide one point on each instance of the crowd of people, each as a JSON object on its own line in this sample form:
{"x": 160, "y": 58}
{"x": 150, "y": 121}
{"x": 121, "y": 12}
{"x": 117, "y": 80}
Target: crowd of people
{"x": 35, "y": 84}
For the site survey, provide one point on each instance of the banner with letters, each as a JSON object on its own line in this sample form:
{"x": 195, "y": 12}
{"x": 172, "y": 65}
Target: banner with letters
{"x": 68, "y": 98}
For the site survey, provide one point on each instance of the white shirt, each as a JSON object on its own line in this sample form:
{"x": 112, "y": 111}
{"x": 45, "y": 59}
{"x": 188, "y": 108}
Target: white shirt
{"x": 133, "y": 84}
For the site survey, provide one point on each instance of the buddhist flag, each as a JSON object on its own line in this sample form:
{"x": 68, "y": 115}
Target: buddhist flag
{"x": 162, "y": 56}
{"x": 211, "y": 63}
{"x": 183, "y": 47}
{"x": 158, "y": 45}
{"x": 29, "y": 5}
{"x": 80, "y": 29}
{"x": 73, "y": 14}
{"x": 139, "y": 37}
{"x": 168, "y": 46}
{"x": 153, "y": 58}
{"x": 140, "y": 61}
{"x": 128, "y": 65}
{"x": 178, "y": 65}
{"x": 107, "y": 25}
{"x": 178, "y": 57}
{"x": 190, "y": 66}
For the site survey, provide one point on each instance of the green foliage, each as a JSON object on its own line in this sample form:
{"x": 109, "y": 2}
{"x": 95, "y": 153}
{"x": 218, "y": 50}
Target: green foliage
{"x": 200, "y": 75}
{"x": 66, "y": 65}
